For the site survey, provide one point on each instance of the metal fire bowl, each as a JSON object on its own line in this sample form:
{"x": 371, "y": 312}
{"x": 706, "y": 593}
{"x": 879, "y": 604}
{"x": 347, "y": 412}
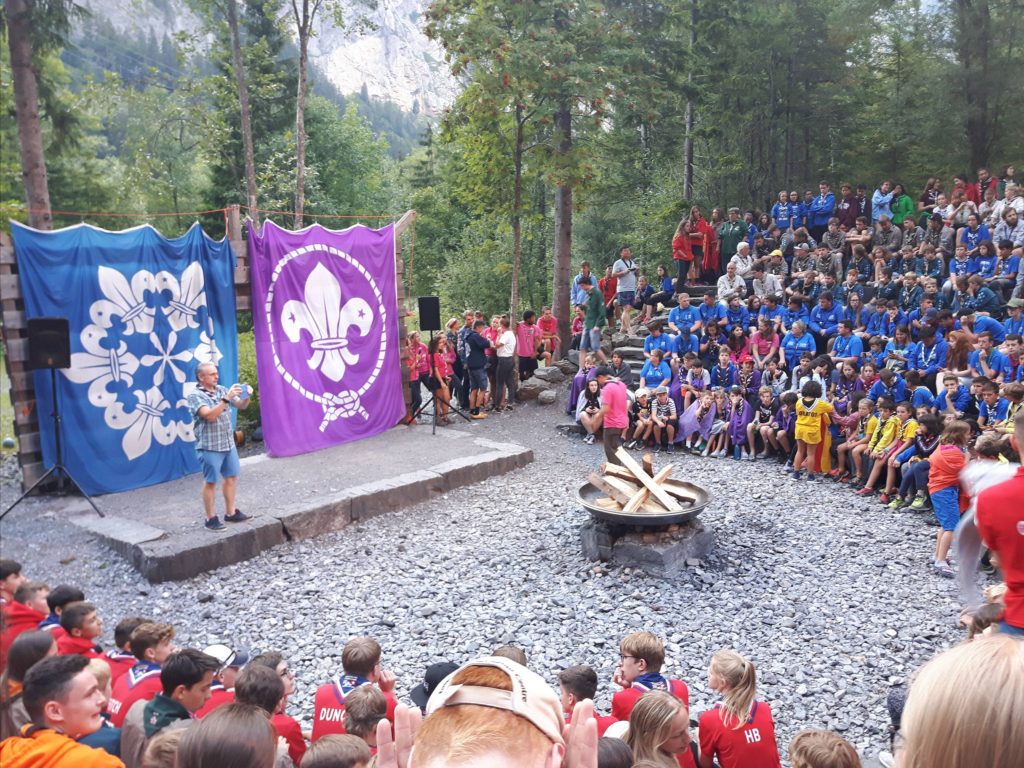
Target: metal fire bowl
{"x": 588, "y": 494}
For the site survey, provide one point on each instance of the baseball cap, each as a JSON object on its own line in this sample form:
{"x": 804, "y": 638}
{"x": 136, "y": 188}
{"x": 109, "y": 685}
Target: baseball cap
{"x": 643, "y": 392}
{"x": 746, "y": 358}
{"x": 530, "y": 698}
{"x": 1015, "y": 303}
{"x": 432, "y": 678}
{"x": 936, "y": 217}
{"x": 734, "y": 210}
{"x": 662, "y": 390}
{"x": 735, "y": 390}
{"x": 776, "y": 252}
{"x": 802, "y": 247}
{"x": 227, "y": 656}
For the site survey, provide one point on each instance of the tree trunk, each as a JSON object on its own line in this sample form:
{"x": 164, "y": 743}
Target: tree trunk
{"x": 973, "y": 35}
{"x": 243, "y": 103}
{"x": 563, "y": 233}
{"x": 304, "y": 25}
{"x": 517, "y": 203}
{"x": 26, "y": 107}
{"x": 688, "y": 142}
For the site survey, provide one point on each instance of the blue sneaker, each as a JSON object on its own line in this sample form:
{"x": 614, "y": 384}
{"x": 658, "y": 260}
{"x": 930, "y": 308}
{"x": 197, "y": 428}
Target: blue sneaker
{"x": 214, "y": 524}
{"x": 237, "y": 517}
{"x": 797, "y": 474}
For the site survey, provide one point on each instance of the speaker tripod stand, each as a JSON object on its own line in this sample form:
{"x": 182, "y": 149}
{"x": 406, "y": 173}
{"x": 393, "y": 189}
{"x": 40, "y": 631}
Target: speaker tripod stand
{"x": 432, "y": 402}
{"x": 58, "y": 470}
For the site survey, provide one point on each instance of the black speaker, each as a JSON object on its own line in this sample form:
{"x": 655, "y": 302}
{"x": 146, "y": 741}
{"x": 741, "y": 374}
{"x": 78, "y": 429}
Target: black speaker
{"x": 49, "y": 343}
{"x": 430, "y": 313}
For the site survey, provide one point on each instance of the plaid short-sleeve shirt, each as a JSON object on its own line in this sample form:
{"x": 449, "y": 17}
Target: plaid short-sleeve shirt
{"x": 217, "y": 435}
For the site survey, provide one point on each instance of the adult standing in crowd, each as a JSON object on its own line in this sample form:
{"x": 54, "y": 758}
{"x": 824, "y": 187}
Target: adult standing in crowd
{"x": 504, "y": 379}
{"x": 614, "y": 410}
{"x": 1000, "y": 520}
{"x": 209, "y": 404}
{"x": 625, "y": 271}
{"x": 731, "y": 234}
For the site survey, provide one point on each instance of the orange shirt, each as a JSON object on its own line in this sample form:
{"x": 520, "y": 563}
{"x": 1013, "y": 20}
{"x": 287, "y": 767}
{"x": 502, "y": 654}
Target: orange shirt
{"x": 45, "y": 748}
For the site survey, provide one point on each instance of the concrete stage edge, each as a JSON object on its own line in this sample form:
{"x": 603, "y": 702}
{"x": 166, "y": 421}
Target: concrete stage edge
{"x": 160, "y": 530}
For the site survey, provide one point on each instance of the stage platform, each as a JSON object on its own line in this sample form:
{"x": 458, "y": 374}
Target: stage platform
{"x": 160, "y": 530}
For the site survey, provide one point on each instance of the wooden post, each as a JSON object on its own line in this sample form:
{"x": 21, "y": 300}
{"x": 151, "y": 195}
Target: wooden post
{"x": 408, "y": 220}
{"x": 22, "y": 386}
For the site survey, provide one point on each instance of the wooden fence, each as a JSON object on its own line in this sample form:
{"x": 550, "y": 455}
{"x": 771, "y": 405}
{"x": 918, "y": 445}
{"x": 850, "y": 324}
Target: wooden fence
{"x": 14, "y": 334}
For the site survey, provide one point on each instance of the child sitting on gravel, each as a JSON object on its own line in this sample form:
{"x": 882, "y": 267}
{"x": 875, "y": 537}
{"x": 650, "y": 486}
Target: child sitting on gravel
{"x": 360, "y": 662}
{"x": 822, "y": 749}
{"x": 577, "y": 684}
{"x": 663, "y": 414}
{"x": 641, "y": 656}
{"x": 886, "y": 426}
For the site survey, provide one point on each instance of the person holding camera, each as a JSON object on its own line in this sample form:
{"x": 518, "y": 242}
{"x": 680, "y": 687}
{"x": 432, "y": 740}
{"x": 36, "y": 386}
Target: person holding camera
{"x": 209, "y": 404}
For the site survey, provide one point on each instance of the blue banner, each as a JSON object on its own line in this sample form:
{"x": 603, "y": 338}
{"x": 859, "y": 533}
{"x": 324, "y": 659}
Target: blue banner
{"x": 144, "y": 311}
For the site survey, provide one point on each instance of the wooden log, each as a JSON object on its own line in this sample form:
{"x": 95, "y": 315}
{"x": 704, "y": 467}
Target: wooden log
{"x": 648, "y": 463}
{"x": 603, "y": 485}
{"x": 653, "y": 507}
{"x": 683, "y": 494}
{"x": 641, "y": 497}
{"x": 627, "y": 488}
{"x": 619, "y": 471}
{"x": 611, "y": 504}
{"x": 657, "y": 491}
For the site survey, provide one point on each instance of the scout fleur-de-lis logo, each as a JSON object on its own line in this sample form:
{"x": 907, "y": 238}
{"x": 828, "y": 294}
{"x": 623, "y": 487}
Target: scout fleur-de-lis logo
{"x": 328, "y": 323}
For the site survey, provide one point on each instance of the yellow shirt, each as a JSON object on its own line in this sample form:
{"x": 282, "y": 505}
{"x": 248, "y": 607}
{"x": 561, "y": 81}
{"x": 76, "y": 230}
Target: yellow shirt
{"x": 808, "y": 420}
{"x": 884, "y": 434}
{"x": 907, "y": 431}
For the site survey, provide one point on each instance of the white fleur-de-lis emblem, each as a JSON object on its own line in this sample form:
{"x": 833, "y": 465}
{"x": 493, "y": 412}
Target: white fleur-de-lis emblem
{"x": 167, "y": 358}
{"x": 127, "y": 301}
{"x": 186, "y": 297}
{"x": 143, "y": 424}
{"x": 99, "y": 367}
{"x": 327, "y": 321}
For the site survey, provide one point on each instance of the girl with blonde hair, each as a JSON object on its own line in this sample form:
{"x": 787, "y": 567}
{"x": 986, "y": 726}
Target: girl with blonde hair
{"x": 659, "y": 732}
{"x": 739, "y": 730}
{"x": 964, "y": 707}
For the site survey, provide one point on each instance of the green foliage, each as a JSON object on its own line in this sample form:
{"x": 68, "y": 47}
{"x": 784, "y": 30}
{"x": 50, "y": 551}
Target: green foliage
{"x": 248, "y": 419}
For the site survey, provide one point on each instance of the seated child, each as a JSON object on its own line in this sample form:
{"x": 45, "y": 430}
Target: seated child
{"x": 886, "y": 427}
{"x": 641, "y": 656}
{"x": 151, "y": 645}
{"x": 60, "y": 596}
{"x": 822, "y": 749}
{"x": 760, "y": 424}
{"x": 696, "y": 423}
{"x": 575, "y": 685}
{"x": 858, "y": 430}
{"x": 643, "y": 424}
{"x": 665, "y": 421}
{"x": 365, "y": 706}
{"x": 82, "y": 627}
{"x": 741, "y": 415}
{"x": 338, "y": 751}
{"x": 360, "y": 662}
{"x": 22, "y": 614}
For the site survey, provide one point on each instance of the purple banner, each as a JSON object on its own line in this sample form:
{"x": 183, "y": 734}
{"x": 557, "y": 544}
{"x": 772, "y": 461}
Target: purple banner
{"x": 327, "y": 341}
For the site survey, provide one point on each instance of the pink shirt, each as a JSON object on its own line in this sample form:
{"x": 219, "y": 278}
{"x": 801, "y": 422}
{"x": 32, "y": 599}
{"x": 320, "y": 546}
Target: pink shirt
{"x": 613, "y": 397}
{"x": 527, "y": 339}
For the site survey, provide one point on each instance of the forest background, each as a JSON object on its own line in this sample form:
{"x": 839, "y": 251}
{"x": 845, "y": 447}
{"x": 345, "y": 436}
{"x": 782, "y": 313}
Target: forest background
{"x": 572, "y": 135}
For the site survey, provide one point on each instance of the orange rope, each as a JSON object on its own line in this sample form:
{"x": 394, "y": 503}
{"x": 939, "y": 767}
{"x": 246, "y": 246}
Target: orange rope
{"x": 112, "y": 213}
{"x": 307, "y": 215}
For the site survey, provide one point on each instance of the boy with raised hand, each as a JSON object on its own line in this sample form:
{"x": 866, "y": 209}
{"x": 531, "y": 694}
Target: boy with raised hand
{"x": 360, "y": 662}
{"x": 23, "y": 613}
{"x": 64, "y": 702}
{"x": 641, "y": 656}
{"x": 151, "y": 645}
{"x": 577, "y": 684}
{"x": 59, "y": 596}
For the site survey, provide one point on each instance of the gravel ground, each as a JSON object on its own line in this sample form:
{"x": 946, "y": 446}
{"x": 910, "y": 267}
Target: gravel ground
{"x": 830, "y": 596}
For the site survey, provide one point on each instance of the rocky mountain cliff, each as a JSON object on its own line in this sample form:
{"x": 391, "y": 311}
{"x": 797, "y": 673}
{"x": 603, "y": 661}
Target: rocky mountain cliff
{"x": 395, "y": 60}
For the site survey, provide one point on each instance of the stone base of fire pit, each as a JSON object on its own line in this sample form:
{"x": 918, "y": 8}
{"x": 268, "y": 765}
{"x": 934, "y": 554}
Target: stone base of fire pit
{"x": 660, "y": 552}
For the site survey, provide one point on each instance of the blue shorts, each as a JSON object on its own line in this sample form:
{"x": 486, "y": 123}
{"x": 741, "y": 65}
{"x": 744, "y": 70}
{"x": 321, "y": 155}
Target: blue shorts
{"x": 625, "y": 298}
{"x": 218, "y": 464}
{"x": 591, "y": 339}
{"x": 946, "y": 504}
{"x": 478, "y": 378}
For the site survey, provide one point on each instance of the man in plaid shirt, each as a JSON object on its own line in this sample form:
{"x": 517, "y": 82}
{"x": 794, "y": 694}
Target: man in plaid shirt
{"x": 215, "y": 441}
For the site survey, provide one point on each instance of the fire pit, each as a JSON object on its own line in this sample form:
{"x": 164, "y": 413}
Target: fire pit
{"x": 644, "y": 519}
